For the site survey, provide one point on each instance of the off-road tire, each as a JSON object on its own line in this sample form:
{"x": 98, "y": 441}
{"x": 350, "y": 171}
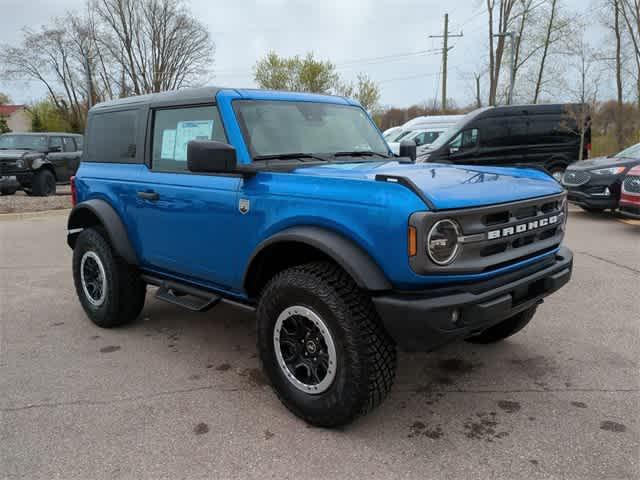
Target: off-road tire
{"x": 8, "y": 191}
{"x": 125, "y": 290}
{"x": 504, "y": 329}
{"x": 366, "y": 355}
{"x": 44, "y": 183}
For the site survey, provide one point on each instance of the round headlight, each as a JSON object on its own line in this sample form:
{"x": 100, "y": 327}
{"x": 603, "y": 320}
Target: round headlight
{"x": 442, "y": 241}
{"x": 20, "y": 163}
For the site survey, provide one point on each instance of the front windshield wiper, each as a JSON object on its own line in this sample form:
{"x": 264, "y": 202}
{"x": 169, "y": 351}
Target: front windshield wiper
{"x": 290, "y": 156}
{"x": 359, "y": 153}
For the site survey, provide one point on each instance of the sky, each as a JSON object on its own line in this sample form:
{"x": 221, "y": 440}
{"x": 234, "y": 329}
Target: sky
{"x": 385, "y": 39}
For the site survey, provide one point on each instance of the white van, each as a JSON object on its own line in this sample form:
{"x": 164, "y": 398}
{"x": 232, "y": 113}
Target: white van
{"x": 422, "y": 130}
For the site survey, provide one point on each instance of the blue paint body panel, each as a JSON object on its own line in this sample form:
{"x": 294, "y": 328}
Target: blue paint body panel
{"x": 195, "y": 232}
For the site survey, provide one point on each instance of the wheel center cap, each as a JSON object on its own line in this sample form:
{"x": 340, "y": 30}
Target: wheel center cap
{"x": 311, "y": 346}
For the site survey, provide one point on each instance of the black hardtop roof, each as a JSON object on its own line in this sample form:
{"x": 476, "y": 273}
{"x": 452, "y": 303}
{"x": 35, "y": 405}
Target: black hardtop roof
{"x": 173, "y": 97}
{"x": 537, "y": 109}
{"x": 45, "y": 134}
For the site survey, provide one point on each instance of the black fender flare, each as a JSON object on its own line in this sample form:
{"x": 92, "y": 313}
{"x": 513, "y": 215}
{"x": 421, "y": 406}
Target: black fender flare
{"x": 99, "y": 212}
{"x": 346, "y": 253}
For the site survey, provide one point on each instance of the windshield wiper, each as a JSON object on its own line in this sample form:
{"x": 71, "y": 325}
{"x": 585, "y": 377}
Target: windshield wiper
{"x": 359, "y": 153}
{"x": 290, "y": 156}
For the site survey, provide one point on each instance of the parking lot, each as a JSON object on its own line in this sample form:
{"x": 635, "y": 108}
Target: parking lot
{"x": 181, "y": 395}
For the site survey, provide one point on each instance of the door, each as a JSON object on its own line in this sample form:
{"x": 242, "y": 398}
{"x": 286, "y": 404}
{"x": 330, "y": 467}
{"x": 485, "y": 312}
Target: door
{"x": 463, "y": 149}
{"x": 186, "y": 223}
{"x": 58, "y": 158}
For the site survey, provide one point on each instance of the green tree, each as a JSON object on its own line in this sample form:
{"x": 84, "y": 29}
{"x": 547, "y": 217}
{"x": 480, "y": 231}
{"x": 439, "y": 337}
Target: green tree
{"x": 295, "y": 73}
{"x": 46, "y": 117}
{"x": 307, "y": 74}
{"x": 4, "y": 128}
{"x": 4, "y": 98}
{"x": 365, "y": 90}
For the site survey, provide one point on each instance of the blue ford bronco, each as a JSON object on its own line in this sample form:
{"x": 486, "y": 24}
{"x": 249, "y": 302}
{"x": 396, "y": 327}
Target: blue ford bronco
{"x": 292, "y": 205}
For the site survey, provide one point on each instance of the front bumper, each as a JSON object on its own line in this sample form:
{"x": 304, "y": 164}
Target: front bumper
{"x": 422, "y": 321}
{"x": 591, "y": 194}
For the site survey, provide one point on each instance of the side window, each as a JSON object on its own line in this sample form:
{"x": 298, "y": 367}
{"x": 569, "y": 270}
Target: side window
{"x": 465, "y": 140}
{"x": 79, "y": 143}
{"x": 112, "y": 137}
{"x": 55, "y": 144}
{"x": 68, "y": 145}
{"x": 174, "y": 128}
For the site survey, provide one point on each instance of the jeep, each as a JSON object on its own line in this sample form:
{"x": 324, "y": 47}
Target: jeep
{"x": 292, "y": 205}
{"x": 38, "y": 161}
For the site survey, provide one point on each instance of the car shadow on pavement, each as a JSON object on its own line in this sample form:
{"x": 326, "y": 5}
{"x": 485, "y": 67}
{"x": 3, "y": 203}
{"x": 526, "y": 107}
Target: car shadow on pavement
{"x": 220, "y": 346}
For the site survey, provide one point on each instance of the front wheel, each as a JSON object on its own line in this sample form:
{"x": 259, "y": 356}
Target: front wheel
{"x": 44, "y": 183}
{"x": 322, "y": 345}
{"x": 504, "y": 329}
{"x": 110, "y": 291}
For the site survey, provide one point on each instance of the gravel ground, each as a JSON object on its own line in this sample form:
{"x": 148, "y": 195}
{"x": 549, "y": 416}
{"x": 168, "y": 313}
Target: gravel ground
{"x": 20, "y": 202}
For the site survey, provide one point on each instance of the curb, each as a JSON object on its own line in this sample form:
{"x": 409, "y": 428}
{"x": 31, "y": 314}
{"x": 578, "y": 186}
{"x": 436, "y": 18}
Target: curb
{"x": 26, "y": 215}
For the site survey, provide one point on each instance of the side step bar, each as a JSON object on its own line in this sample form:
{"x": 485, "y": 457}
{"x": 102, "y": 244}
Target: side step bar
{"x": 187, "y": 300}
{"x": 183, "y": 295}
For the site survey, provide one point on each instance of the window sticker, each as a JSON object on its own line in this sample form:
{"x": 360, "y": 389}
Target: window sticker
{"x": 168, "y": 144}
{"x": 190, "y": 130}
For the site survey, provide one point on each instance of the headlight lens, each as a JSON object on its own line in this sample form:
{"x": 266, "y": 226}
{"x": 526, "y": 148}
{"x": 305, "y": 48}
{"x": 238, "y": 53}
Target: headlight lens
{"x": 608, "y": 171}
{"x": 20, "y": 163}
{"x": 442, "y": 241}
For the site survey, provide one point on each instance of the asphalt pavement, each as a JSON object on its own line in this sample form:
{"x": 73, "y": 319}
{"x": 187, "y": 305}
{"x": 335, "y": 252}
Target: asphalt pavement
{"x": 181, "y": 395}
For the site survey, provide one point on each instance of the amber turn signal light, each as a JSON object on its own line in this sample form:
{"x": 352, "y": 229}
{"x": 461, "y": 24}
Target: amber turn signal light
{"x": 413, "y": 242}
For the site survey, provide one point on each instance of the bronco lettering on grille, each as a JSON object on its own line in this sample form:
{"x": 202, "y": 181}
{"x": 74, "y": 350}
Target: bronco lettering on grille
{"x": 523, "y": 227}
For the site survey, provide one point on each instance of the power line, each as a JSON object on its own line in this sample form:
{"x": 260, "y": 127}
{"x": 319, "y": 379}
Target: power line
{"x": 411, "y": 77}
{"x": 349, "y": 62}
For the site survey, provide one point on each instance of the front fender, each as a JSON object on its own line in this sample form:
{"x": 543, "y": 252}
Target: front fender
{"x": 352, "y": 258}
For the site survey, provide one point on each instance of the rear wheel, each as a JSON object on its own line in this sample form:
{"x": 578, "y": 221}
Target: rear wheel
{"x": 323, "y": 346}
{"x": 44, "y": 183}
{"x": 110, "y": 290}
{"x": 504, "y": 329}
{"x": 8, "y": 191}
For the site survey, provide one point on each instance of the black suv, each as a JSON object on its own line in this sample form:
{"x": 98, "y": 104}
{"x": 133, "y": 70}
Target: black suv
{"x": 39, "y": 160}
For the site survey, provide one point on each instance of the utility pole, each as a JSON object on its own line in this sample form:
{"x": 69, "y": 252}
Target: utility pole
{"x": 513, "y": 38}
{"x": 445, "y": 50}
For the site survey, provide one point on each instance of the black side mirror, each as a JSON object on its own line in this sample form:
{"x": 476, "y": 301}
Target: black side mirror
{"x": 408, "y": 149}
{"x": 210, "y": 156}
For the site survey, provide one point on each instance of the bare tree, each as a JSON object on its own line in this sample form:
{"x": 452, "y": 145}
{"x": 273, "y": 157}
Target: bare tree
{"x": 630, "y": 10}
{"x": 583, "y": 88}
{"x": 545, "y": 48}
{"x": 504, "y": 8}
{"x": 157, "y": 43}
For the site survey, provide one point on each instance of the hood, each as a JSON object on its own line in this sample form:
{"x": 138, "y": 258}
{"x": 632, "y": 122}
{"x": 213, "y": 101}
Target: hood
{"x": 12, "y": 154}
{"x": 603, "y": 162}
{"x": 451, "y": 186}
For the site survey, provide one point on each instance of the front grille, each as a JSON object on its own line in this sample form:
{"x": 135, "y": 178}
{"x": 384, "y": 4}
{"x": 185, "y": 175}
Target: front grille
{"x": 496, "y": 235}
{"x": 631, "y": 184}
{"x": 575, "y": 178}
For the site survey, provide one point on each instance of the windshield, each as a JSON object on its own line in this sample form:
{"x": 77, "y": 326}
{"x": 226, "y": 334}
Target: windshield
{"x": 451, "y": 132}
{"x": 23, "y": 142}
{"x": 632, "y": 152}
{"x": 402, "y": 135}
{"x": 283, "y": 127}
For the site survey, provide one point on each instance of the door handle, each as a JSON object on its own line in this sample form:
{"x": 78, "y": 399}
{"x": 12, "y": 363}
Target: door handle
{"x": 152, "y": 196}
